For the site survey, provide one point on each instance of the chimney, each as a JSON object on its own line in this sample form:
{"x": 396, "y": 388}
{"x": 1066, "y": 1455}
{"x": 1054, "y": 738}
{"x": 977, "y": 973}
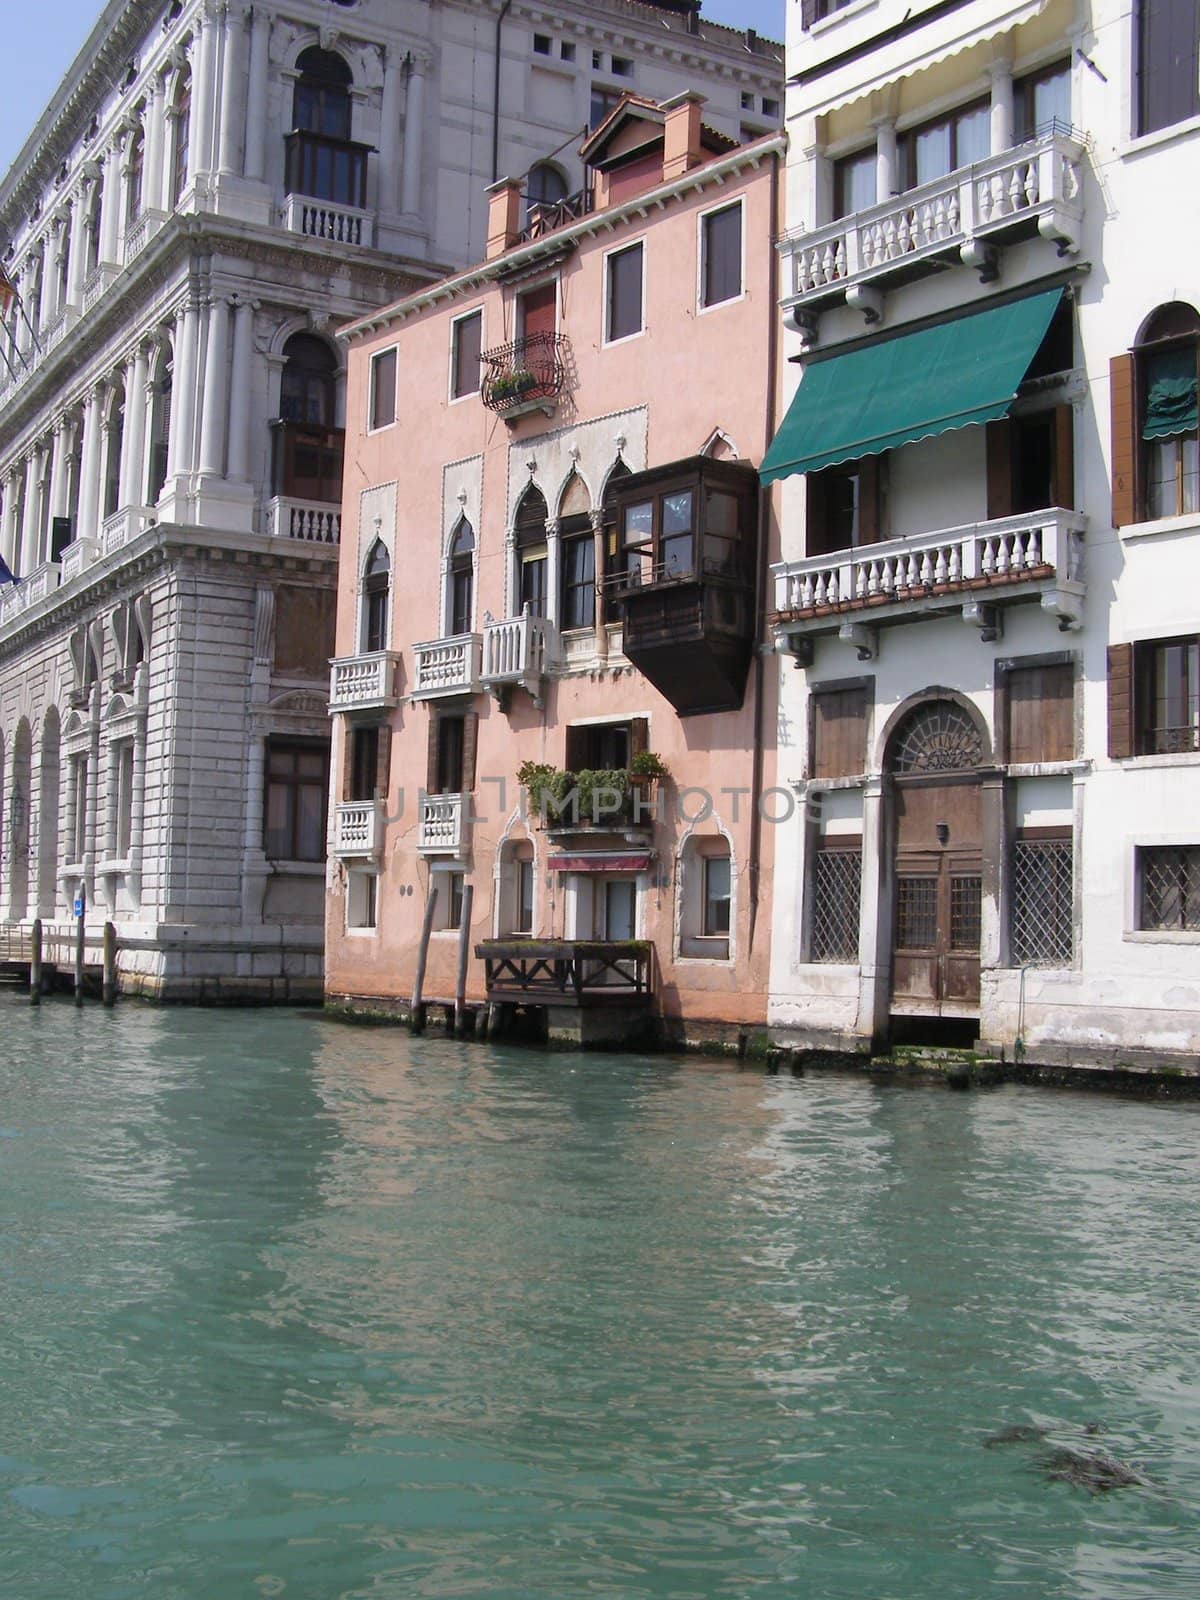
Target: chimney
{"x": 504, "y": 216}
{"x": 682, "y": 149}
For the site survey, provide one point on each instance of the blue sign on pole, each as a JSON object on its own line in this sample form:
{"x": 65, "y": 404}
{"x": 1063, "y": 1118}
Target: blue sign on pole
{"x": 78, "y": 906}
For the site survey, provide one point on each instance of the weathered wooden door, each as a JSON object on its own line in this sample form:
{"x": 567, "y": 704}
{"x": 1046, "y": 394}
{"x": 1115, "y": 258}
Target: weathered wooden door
{"x": 938, "y": 881}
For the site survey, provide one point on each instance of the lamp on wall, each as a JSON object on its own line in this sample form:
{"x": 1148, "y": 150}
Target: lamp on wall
{"x": 942, "y": 830}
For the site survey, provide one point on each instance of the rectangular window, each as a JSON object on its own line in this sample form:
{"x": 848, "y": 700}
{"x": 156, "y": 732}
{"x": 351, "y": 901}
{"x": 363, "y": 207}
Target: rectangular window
{"x": 747, "y": 100}
{"x": 770, "y": 107}
{"x": 1169, "y": 889}
{"x": 296, "y": 791}
{"x": 123, "y": 800}
{"x": 717, "y": 885}
{"x": 579, "y": 582}
{"x": 79, "y": 807}
{"x": 567, "y": 50}
{"x": 1043, "y": 883}
{"x": 604, "y": 746}
{"x": 1168, "y": 63}
{"x": 854, "y": 183}
{"x": 452, "y": 888}
{"x": 836, "y": 891}
{"x": 450, "y": 754}
{"x": 542, "y": 44}
{"x": 721, "y": 255}
{"x": 362, "y": 899}
{"x": 524, "y": 906}
{"x": 624, "y": 296}
{"x": 839, "y": 731}
{"x": 533, "y": 560}
{"x": 1042, "y": 102}
{"x": 1167, "y": 676}
{"x": 622, "y": 67}
{"x": 1040, "y": 713}
{"x": 938, "y": 148}
{"x": 364, "y": 768}
{"x": 844, "y": 506}
{"x": 467, "y": 348}
{"x": 383, "y": 389}
{"x": 603, "y": 100}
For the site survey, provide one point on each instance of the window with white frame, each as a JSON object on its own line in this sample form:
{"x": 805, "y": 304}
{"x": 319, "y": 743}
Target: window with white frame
{"x": 79, "y": 808}
{"x": 383, "y": 389}
{"x": 362, "y": 900}
{"x": 377, "y": 587}
{"x": 465, "y": 354}
{"x": 1169, "y": 888}
{"x": 721, "y": 255}
{"x": 623, "y": 307}
{"x": 706, "y": 886}
{"x": 121, "y": 800}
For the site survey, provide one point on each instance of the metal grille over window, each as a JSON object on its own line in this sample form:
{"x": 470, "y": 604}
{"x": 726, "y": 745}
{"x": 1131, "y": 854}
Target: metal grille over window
{"x": 837, "y": 888}
{"x": 965, "y": 897}
{"x": 937, "y": 737}
{"x": 1042, "y": 894}
{"x": 1171, "y": 889}
{"x": 916, "y": 913}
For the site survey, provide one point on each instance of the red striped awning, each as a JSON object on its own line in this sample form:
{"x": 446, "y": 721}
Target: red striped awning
{"x": 602, "y": 861}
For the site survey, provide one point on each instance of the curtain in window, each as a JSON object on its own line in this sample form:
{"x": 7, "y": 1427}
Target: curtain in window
{"x": 1171, "y": 407}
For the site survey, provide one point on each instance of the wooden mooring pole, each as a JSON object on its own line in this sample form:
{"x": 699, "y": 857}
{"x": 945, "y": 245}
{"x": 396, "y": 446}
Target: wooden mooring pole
{"x": 35, "y": 964}
{"x": 464, "y": 950}
{"x": 416, "y": 1011}
{"x": 108, "y": 991}
{"x": 80, "y": 937}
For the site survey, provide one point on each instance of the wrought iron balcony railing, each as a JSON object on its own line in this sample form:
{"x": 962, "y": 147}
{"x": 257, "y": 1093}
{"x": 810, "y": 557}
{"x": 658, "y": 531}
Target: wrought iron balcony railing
{"x": 526, "y": 375}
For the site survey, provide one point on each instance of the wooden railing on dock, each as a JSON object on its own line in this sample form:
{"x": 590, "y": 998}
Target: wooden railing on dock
{"x": 568, "y": 972}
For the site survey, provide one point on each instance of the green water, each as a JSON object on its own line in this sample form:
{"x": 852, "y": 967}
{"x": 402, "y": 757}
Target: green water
{"x": 294, "y": 1309}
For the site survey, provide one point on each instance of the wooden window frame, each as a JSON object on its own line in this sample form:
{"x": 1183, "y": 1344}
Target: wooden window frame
{"x": 1002, "y": 702}
{"x": 611, "y": 257}
{"x": 294, "y": 783}
{"x": 462, "y": 388}
{"x": 871, "y": 473}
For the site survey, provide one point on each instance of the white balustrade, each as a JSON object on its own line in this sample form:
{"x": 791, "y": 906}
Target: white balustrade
{"x": 447, "y": 666}
{"x": 1038, "y": 544}
{"x": 445, "y": 823}
{"x": 140, "y": 232}
{"x": 358, "y": 828}
{"x": 1040, "y": 180}
{"x": 94, "y": 286}
{"x": 78, "y": 557}
{"x": 365, "y": 683}
{"x": 314, "y": 521}
{"x": 322, "y": 219}
{"x": 124, "y": 526}
{"x": 518, "y": 650}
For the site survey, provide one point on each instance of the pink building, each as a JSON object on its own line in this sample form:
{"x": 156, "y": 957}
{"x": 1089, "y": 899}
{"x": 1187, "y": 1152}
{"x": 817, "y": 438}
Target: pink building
{"x": 553, "y": 572}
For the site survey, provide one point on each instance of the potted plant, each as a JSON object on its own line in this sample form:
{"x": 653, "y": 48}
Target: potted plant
{"x": 541, "y": 783}
{"x": 646, "y": 768}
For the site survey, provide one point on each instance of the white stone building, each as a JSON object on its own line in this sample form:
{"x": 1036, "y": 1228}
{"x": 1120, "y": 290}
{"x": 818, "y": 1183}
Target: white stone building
{"x": 989, "y": 636}
{"x": 212, "y": 189}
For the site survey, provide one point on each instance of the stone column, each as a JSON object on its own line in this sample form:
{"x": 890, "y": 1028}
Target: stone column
{"x": 204, "y": 87}
{"x": 233, "y": 92}
{"x": 127, "y": 148}
{"x": 240, "y": 391}
{"x": 553, "y": 558}
{"x": 89, "y": 466}
{"x": 9, "y": 532}
{"x": 133, "y": 440}
{"x": 886, "y": 159}
{"x": 50, "y": 295}
{"x": 1001, "y": 74}
{"x": 181, "y": 443}
{"x": 389, "y": 131}
{"x": 875, "y": 916}
{"x": 414, "y": 120}
{"x": 110, "y": 202}
{"x": 216, "y": 390}
{"x": 77, "y": 260}
{"x": 256, "y": 93}
{"x": 994, "y": 889}
{"x": 61, "y": 451}
{"x": 154, "y": 176}
{"x": 598, "y": 559}
{"x": 29, "y": 531}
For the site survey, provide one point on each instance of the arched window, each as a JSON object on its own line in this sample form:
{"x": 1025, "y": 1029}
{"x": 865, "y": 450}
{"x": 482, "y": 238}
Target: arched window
{"x": 532, "y": 552}
{"x": 462, "y": 578}
{"x": 545, "y": 186}
{"x": 133, "y": 177}
{"x": 577, "y": 558}
{"x": 618, "y": 562}
{"x": 160, "y": 429}
{"x": 181, "y": 113}
{"x": 1167, "y": 360}
{"x": 306, "y": 392}
{"x": 936, "y": 736}
{"x": 706, "y": 885}
{"x": 377, "y": 583}
{"x": 321, "y": 103}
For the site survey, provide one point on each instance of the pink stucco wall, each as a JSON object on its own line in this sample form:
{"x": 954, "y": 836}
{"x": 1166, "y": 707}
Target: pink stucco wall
{"x": 693, "y": 372}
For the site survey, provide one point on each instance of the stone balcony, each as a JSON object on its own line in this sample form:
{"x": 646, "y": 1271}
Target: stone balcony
{"x": 77, "y": 557}
{"x": 358, "y": 830}
{"x": 976, "y": 569}
{"x": 969, "y": 215}
{"x": 329, "y": 220}
{"x": 312, "y": 521}
{"x": 447, "y": 667}
{"x": 445, "y": 827}
{"x": 518, "y": 651}
{"x": 124, "y": 526}
{"x": 365, "y": 683}
{"x": 19, "y": 597}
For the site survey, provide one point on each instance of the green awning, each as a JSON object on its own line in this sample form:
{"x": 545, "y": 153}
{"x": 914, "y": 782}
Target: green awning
{"x": 911, "y": 387}
{"x": 1170, "y": 394}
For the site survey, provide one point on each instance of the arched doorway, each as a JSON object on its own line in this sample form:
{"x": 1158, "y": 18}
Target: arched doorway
{"x": 934, "y": 757}
{"x": 16, "y": 830}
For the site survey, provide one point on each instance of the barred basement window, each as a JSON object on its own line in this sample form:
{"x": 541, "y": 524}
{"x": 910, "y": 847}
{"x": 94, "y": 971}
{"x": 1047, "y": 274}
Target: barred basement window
{"x": 836, "y": 892}
{"x": 1170, "y": 889}
{"x": 1042, "y": 931}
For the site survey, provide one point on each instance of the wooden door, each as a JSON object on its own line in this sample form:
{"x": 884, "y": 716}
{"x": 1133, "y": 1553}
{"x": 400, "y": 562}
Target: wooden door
{"x": 938, "y": 892}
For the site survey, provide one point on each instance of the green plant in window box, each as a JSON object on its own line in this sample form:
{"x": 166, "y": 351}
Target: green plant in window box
{"x": 647, "y": 768}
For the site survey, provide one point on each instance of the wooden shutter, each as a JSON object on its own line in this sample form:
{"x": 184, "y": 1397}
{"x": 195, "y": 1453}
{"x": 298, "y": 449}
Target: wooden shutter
{"x": 431, "y": 755}
{"x": 639, "y": 736}
{"x": 469, "y": 747}
{"x": 1041, "y": 713}
{"x": 1123, "y": 417}
{"x": 1063, "y": 465}
{"x": 870, "y": 477}
{"x": 839, "y": 732}
{"x": 1120, "y": 701}
{"x": 999, "y": 468}
{"x": 576, "y": 749}
{"x": 810, "y": 12}
{"x": 383, "y": 768}
{"x": 348, "y": 764}
{"x": 816, "y": 515}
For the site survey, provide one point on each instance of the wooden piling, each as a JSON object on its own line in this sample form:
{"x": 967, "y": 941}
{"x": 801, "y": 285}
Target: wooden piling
{"x": 80, "y": 937}
{"x": 108, "y": 992}
{"x": 35, "y": 965}
{"x": 416, "y": 1011}
{"x": 464, "y": 950}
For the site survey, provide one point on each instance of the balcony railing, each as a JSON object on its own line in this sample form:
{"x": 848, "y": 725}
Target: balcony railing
{"x": 77, "y": 557}
{"x": 446, "y": 667}
{"x": 365, "y": 683}
{"x": 547, "y": 216}
{"x": 1035, "y": 187}
{"x": 358, "y": 829}
{"x": 445, "y": 824}
{"x": 329, "y": 220}
{"x": 527, "y": 375}
{"x": 124, "y": 526}
{"x": 140, "y": 232}
{"x": 568, "y": 972}
{"x": 1039, "y": 552}
{"x": 519, "y": 650}
{"x": 313, "y": 521}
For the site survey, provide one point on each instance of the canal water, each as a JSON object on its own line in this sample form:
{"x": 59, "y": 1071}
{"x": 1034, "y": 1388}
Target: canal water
{"x": 293, "y": 1309}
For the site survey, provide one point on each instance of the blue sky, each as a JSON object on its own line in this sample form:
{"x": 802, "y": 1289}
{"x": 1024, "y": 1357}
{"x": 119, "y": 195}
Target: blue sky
{"x": 40, "y": 42}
